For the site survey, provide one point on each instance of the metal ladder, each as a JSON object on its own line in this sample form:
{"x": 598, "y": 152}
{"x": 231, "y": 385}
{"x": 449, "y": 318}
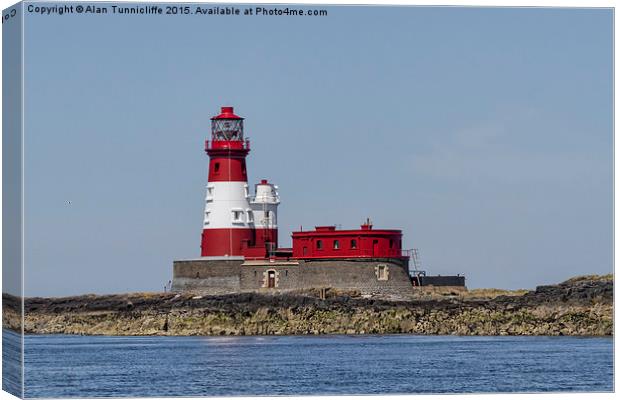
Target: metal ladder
{"x": 417, "y": 265}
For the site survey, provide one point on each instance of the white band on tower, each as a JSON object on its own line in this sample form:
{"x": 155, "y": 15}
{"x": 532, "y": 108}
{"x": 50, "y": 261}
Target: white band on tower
{"x": 227, "y": 206}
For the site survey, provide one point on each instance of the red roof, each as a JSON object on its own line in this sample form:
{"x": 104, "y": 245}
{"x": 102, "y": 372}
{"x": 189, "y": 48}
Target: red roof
{"x": 330, "y": 230}
{"x": 227, "y": 113}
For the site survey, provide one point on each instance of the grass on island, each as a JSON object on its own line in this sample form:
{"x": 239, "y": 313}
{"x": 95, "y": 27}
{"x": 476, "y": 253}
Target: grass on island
{"x": 492, "y": 293}
{"x": 598, "y": 278}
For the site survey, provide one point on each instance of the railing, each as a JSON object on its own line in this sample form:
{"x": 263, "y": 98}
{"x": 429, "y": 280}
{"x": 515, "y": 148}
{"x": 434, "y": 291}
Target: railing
{"x": 227, "y": 144}
{"x": 407, "y": 253}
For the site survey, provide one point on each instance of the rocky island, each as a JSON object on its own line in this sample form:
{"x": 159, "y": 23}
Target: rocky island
{"x": 581, "y": 306}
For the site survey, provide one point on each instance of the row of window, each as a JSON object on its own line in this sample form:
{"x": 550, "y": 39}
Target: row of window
{"x": 211, "y": 192}
{"x": 336, "y": 244}
{"x": 238, "y": 216}
{"x": 353, "y": 244}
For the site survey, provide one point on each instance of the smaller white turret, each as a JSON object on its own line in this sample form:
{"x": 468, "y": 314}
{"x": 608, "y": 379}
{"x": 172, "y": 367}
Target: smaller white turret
{"x": 265, "y": 205}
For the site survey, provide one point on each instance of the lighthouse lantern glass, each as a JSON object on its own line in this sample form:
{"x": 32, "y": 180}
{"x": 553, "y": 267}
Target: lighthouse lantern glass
{"x": 227, "y": 129}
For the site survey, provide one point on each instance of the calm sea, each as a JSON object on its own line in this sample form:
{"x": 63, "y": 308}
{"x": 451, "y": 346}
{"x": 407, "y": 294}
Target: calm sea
{"x": 87, "y": 366}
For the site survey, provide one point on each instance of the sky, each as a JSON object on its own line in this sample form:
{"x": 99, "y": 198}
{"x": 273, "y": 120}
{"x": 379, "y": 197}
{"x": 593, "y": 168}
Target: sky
{"x": 484, "y": 134}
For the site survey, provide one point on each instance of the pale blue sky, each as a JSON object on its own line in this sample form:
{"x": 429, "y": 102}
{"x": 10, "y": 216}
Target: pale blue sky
{"x": 485, "y": 134}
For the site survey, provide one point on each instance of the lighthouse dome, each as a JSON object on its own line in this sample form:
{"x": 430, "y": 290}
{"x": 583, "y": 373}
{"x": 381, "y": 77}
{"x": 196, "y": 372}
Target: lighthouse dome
{"x": 227, "y": 113}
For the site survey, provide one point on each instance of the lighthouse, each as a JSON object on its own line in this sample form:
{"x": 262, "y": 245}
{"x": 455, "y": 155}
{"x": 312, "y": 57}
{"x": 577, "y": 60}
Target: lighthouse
{"x": 236, "y": 223}
{"x": 239, "y": 245}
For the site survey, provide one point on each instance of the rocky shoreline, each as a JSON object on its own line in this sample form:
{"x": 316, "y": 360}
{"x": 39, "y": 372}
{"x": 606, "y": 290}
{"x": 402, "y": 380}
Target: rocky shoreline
{"x": 581, "y": 306}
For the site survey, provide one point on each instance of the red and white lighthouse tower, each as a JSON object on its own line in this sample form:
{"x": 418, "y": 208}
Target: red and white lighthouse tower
{"x": 230, "y": 225}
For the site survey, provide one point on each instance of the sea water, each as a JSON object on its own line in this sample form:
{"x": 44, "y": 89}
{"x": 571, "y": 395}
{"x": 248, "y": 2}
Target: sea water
{"x": 96, "y": 366}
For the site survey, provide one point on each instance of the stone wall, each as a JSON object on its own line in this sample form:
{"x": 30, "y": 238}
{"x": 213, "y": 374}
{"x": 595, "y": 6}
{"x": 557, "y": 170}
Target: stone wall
{"x": 255, "y": 276}
{"x": 437, "y": 280}
{"x": 369, "y": 276}
{"x": 388, "y": 276}
{"x": 207, "y": 276}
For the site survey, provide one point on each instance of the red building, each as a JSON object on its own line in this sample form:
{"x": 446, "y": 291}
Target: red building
{"x": 329, "y": 242}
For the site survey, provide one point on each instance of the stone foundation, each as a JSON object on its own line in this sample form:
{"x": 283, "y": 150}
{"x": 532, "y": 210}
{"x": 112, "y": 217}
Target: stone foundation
{"x": 368, "y": 276}
{"x": 207, "y": 276}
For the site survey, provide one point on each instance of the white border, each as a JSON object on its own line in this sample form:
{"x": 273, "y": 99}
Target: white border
{"x": 478, "y": 3}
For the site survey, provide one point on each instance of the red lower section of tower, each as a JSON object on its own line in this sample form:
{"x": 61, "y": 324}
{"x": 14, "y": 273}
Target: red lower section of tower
{"x": 250, "y": 243}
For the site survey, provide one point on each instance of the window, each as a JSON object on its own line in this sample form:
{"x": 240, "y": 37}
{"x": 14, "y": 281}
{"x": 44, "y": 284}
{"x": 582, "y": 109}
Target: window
{"x": 391, "y": 243}
{"x": 237, "y": 215}
{"x": 207, "y": 213}
{"x": 353, "y": 244}
{"x": 319, "y": 244}
{"x": 250, "y": 216}
{"x": 217, "y": 167}
{"x": 210, "y": 191}
{"x": 227, "y": 129}
{"x": 245, "y": 189}
{"x": 267, "y": 214}
{"x": 382, "y": 272}
{"x": 336, "y": 244}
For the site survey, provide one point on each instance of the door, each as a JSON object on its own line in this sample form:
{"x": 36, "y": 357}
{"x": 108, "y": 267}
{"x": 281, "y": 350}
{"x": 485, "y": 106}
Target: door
{"x": 271, "y": 276}
{"x": 375, "y": 248}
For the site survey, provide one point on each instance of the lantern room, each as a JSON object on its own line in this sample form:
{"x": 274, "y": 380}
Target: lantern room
{"x": 227, "y": 133}
{"x": 227, "y": 126}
